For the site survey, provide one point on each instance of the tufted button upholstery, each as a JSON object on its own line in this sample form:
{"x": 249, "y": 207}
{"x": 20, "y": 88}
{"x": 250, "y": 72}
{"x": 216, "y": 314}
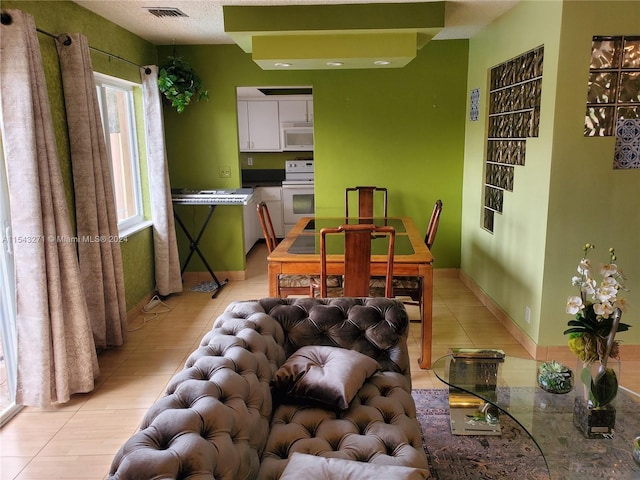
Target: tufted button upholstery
{"x": 379, "y": 427}
{"x": 218, "y": 420}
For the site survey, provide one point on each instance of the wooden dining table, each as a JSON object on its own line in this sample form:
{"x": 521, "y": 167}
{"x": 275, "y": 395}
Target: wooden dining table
{"x": 299, "y": 254}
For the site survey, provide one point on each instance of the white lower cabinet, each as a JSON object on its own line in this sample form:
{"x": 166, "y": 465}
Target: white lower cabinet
{"x": 272, "y": 196}
{"x": 252, "y": 228}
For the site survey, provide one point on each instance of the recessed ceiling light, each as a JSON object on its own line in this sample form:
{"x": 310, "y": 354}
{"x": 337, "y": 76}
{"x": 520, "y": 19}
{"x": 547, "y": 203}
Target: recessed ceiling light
{"x": 282, "y": 64}
{"x": 382, "y": 62}
{"x": 335, "y": 64}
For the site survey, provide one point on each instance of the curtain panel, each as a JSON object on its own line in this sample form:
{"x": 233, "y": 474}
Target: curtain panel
{"x": 56, "y": 351}
{"x": 167, "y": 262}
{"x": 100, "y": 261}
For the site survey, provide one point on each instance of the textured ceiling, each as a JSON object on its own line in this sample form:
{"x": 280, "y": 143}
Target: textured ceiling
{"x": 204, "y": 24}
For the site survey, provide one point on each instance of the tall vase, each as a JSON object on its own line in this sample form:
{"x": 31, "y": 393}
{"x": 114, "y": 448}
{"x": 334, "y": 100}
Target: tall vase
{"x": 593, "y": 420}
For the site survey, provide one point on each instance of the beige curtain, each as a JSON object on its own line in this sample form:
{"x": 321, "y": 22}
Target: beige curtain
{"x": 167, "y": 261}
{"x": 100, "y": 261}
{"x": 56, "y": 352}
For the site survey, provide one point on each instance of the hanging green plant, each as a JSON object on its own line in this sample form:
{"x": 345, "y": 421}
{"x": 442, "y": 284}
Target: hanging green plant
{"x": 180, "y": 84}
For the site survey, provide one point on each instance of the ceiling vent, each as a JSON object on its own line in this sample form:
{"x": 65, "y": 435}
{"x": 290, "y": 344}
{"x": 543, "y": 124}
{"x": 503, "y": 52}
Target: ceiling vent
{"x": 166, "y": 12}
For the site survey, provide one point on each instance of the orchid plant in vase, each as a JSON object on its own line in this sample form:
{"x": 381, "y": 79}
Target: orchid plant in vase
{"x": 597, "y": 310}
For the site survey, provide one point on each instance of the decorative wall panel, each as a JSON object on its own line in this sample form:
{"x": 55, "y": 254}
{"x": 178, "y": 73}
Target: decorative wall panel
{"x": 627, "y": 153}
{"x": 514, "y": 115}
{"x": 613, "y": 91}
{"x": 474, "y": 105}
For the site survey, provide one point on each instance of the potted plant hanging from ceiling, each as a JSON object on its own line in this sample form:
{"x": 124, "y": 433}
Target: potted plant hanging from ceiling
{"x": 180, "y": 84}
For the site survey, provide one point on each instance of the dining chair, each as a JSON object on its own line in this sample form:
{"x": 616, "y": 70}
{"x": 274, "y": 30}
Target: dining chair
{"x": 358, "y": 240}
{"x": 288, "y": 284}
{"x": 367, "y": 196}
{"x": 412, "y": 286}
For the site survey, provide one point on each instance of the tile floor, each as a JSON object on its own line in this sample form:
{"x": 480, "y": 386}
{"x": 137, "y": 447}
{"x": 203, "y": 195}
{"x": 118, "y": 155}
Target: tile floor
{"x": 78, "y": 440}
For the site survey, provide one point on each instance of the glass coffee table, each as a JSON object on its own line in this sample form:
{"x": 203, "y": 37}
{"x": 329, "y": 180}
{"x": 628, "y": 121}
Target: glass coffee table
{"x": 480, "y": 390}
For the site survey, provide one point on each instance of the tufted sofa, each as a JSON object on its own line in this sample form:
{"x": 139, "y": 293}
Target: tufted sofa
{"x": 222, "y": 419}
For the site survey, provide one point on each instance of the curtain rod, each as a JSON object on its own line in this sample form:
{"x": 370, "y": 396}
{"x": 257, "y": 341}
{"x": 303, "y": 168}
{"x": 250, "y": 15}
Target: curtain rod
{"x": 68, "y": 42}
{"x": 7, "y": 20}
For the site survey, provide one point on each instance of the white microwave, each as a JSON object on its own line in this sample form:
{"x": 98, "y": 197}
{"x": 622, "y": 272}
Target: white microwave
{"x": 297, "y": 136}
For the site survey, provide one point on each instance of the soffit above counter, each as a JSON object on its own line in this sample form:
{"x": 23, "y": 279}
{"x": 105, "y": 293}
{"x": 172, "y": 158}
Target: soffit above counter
{"x": 304, "y": 37}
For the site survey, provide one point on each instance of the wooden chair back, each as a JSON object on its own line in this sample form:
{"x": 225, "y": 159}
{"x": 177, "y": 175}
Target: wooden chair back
{"x": 434, "y": 221}
{"x": 267, "y": 226}
{"x": 357, "y": 258}
{"x": 366, "y": 200}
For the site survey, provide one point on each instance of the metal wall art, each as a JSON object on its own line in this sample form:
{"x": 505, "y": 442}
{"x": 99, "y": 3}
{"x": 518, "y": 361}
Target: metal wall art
{"x": 514, "y": 115}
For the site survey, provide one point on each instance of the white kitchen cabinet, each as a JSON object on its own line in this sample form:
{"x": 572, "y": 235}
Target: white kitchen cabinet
{"x": 258, "y": 126}
{"x": 252, "y": 227}
{"x": 296, "y": 111}
{"x": 272, "y": 196}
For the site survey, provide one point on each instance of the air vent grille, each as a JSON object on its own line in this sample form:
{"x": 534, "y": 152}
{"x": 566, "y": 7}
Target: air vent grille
{"x": 166, "y": 12}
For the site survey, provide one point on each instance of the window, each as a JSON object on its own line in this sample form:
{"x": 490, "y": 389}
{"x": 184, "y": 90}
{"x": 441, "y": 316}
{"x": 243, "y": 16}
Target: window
{"x": 115, "y": 97}
{"x": 8, "y": 331}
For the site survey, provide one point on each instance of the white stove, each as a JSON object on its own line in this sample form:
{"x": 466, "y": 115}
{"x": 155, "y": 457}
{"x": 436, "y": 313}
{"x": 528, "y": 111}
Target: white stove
{"x": 298, "y": 199}
{"x": 298, "y": 172}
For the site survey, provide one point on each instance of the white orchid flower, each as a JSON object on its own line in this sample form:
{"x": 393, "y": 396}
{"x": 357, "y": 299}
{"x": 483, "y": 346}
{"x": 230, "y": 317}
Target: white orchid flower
{"x": 576, "y": 281}
{"x": 574, "y": 305}
{"x": 604, "y": 309}
{"x": 589, "y": 286}
{"x": 608, "y": 269}
{"x": 604, "y": 294}
{"x": 610, "y": 282}
{"x": 584, "y": 267}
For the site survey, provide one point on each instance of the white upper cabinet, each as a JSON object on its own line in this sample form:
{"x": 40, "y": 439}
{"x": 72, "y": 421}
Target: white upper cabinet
{"x": 296, "y": 111}
{"x": 258, "y": 126}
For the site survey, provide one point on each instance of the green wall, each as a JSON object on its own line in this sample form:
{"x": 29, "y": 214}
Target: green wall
{"x": 567, "y": 193}
{"x": 68, "y": 17}
{"x": 406, "y": 129}
{"x": 598, "y": 204}
{"x": 399, "y": 128}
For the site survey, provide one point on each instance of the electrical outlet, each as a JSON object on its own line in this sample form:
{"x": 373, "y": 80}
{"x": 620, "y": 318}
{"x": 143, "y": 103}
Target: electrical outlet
{"x": 527, "y": 314}
{"x": 224, "y": 172}
{"x": 250, "y": 161}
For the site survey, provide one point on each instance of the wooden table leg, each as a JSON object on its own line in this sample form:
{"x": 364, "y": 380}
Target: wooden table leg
{"x": 426, "y": 272}
{"x": 273, "y": 271}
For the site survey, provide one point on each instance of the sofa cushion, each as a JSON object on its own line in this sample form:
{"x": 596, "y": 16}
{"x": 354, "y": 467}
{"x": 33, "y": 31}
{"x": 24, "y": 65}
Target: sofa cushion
{"x": 329, "y": 375}
{"x": 321, "y": 468}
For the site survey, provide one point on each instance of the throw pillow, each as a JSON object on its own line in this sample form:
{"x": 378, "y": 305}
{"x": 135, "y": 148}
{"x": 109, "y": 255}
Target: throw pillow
{"x": 329, "y": 375}
{"x": 321, "y": 468}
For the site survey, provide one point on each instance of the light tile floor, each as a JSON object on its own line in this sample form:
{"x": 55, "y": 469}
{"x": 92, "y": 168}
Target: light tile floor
{"x": 78, "y": 440}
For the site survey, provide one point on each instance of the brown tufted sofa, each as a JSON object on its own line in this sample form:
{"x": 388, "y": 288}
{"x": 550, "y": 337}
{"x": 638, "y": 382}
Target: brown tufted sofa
{"x": 220, "y": 419}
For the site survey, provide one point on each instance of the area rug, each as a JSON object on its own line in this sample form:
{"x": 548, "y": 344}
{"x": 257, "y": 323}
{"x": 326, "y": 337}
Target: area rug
{"x": 513, "y": 455}
{"x": 205, "y": 287}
